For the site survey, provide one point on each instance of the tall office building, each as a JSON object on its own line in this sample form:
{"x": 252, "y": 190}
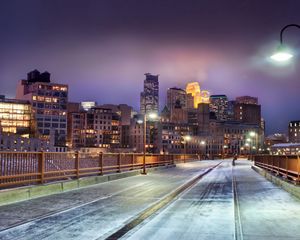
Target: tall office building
{"x": 219, "y": 106}
{"x": 294, "y": 132}
{"x": 48, "y": 102}
{"x": 149, "y": 101}
{"x": 231, "y": 110}
{"x": 247, "y": 100}
{"x": 177, "y": 105}
{"x": 205, "y": 96}
{"x": 176, "y": 97}
{"x": 194, "y": 92}
{"x": 247, "y": 110}
{"x": 123, "y": 110}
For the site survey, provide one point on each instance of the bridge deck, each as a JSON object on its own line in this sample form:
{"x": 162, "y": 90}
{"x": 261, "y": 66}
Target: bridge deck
{"x": 227, "y": 203}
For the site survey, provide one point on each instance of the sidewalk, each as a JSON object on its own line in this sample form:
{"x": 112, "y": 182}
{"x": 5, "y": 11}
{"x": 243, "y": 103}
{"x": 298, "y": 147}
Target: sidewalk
{"x": 267, "y": 211}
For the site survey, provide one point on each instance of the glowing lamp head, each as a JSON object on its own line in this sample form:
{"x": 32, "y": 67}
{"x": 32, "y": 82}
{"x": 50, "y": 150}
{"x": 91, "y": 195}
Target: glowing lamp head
{"x": 202, "y": 142}
{"x": 187, "y": 138}
{"x": 153, "y": 115}
{"x": 281, "y": 55}
{"x": 252, "y": 134}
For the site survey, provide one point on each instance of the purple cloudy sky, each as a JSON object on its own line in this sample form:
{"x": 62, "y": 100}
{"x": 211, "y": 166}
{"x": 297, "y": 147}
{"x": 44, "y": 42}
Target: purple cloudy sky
{"x": 103, "y": 48}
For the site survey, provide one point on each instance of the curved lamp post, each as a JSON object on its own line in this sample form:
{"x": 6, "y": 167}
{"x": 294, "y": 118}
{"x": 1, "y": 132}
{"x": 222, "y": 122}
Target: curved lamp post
{"x": 283, "y": 54}
{"x": 144, "y": 121}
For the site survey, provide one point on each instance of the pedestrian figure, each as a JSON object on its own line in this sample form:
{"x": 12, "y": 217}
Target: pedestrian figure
{"x": 233, "y": 160}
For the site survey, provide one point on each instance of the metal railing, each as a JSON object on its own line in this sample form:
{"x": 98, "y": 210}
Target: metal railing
{"x": 284, "y": 166}
{"x": 25, "y": 168}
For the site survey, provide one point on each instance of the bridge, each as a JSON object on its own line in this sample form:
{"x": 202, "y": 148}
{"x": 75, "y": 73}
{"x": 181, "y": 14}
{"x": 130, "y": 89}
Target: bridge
{"x": 197, "y": 199}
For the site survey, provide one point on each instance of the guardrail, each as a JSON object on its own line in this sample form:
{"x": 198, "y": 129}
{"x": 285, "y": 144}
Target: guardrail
{"x": 25, "y": 168}
{"x": 285, "y": 166}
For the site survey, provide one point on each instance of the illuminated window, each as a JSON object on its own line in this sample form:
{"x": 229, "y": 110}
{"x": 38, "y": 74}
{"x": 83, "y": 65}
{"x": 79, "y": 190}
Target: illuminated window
{"x": 41, "y": 99}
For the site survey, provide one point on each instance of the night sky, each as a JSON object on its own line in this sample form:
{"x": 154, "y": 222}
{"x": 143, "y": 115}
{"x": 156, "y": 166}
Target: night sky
{"x": 103, "y": 48}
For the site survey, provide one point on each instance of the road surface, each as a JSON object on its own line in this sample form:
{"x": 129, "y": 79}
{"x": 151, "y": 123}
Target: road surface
{"x": 93, "y": 212}
{"x": 227, "y": 203}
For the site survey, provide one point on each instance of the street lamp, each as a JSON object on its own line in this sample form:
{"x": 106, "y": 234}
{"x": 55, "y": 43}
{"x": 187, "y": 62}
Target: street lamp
{"x": 150, "y": 116}
{"x": 225, "y": 147}
{"x": 254, "y": 135}
{"x": 283, "y": 54}
{"x": 186, "y": 139}
{"x": 203, "y": 144}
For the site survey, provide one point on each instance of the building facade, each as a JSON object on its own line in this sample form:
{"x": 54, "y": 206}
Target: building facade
{"x": 194, "y": 92}
{"x": 176, "y": 98}
{"x": 294, "y": 132}
{"x": 219, "y": 106}
{"x": 17, "y": 143}
{"x": 48, "y": 103}
{"x": 149, "y": 99}
{"x": 16, "y": 117}
{"x": 248, "y": 113}
{"x": 247, "y": 100}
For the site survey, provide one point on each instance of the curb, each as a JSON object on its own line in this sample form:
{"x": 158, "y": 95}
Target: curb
{"x": 285, "y": 185}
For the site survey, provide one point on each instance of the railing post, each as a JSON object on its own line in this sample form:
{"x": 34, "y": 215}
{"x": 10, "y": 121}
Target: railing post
{"x": 41, "y": 165}
{"x": 77, "y": 163}
{"x": 132, "y": 161}
{"x": 286, "y": 166}
{"x": 101, "y": 162}
{"x": 298, "y": 169}
{"x": 119, "y": 162}
{"x": 278, "y": 162}
{"x": 273, "y": 167}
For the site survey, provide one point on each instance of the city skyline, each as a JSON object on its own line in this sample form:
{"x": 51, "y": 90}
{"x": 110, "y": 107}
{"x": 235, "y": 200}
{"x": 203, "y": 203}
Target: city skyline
{"x": 102, "y": 49}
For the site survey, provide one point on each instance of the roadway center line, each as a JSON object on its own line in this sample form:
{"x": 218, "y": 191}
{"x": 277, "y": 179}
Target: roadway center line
{"x": 238, "y": 233}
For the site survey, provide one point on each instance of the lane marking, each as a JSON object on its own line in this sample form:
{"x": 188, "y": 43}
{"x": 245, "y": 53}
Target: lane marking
{"x": 148, "y": 212}
{"x": 238, "y": 233}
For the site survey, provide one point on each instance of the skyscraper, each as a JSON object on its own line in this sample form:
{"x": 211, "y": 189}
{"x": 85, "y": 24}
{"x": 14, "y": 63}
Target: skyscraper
{"x": 247, "y": 100}
{"x": 219, "y": 106}
{"x": 176, "y": 97}
{"x": 149, "y": 101}
{"x": 49, "y": 104}
{"x": 193, "y": 89}
{"x": 177, "y": 105}
{"x": 247, "y": 110}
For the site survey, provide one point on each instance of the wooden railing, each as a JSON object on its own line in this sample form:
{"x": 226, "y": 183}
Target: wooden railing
{"x": 25, "y": 168}
{"x": 285, "y": 166}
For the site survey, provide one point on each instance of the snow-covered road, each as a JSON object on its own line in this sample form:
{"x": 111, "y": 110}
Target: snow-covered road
{"x": 227, "y": 203}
